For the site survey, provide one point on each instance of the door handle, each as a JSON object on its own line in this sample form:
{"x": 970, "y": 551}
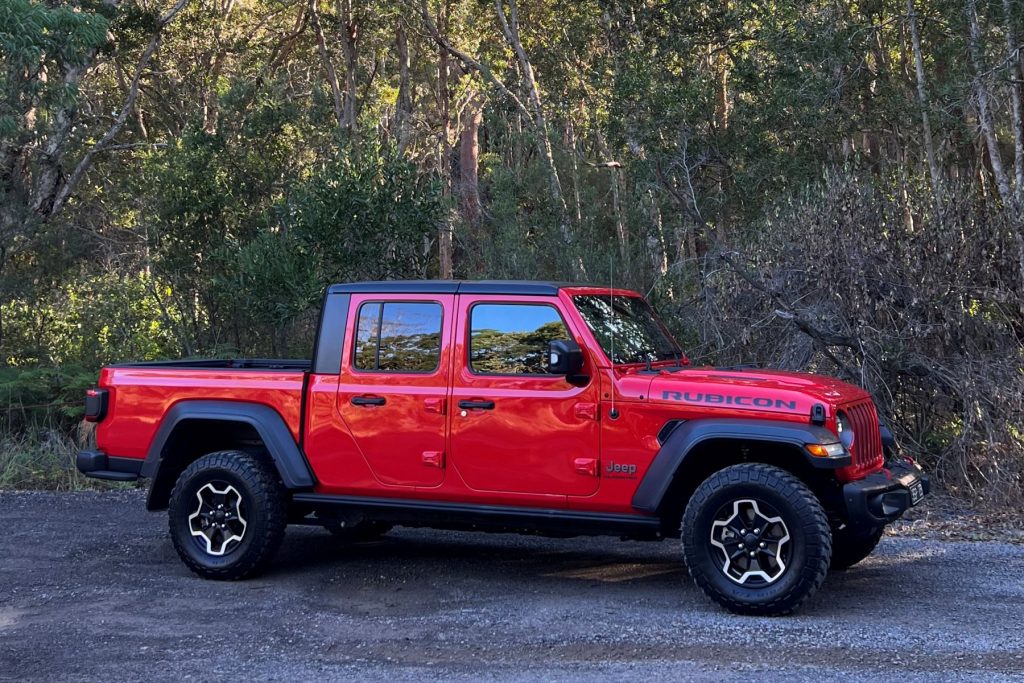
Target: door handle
{"x": 477, "y": 405}
{"x": 368, "y": 400}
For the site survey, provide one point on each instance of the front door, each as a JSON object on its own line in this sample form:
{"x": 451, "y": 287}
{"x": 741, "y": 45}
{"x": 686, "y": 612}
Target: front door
{"x": 394, "y": 383}
{"x": 514, "y": 427}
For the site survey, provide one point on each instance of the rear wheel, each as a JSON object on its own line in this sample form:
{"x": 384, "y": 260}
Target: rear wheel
{"x": 850, "y": 547}
{"x": 227, "y": 515}
{"x": 756, "y": 540}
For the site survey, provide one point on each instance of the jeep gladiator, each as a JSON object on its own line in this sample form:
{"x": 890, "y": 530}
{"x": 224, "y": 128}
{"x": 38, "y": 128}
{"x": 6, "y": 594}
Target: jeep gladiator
{"x": 528, "y": 407}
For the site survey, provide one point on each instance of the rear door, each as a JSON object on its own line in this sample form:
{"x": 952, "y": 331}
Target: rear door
{"x": 516, "y": 428}
{"x": 394, "y": 384}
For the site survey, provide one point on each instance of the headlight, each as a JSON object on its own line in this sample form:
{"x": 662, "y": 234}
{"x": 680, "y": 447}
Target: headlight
{"x": 844, "y": 429}
{"x": 826, "y": 450}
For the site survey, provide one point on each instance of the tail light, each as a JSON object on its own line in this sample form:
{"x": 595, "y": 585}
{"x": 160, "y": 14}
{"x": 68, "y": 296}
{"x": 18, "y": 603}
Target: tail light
{"x": 96, "y": 401}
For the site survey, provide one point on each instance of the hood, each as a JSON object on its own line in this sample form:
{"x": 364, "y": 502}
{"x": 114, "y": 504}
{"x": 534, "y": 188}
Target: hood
{"x": 755, "y": 390}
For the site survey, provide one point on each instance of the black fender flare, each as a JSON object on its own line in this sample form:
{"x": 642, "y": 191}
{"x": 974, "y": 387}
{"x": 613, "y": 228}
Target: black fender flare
{"x": 685, "y": 437}
{"x": 289, "y": 460}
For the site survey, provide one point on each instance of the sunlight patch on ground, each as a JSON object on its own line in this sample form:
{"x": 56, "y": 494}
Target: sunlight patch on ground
{"x": 8, "y": 617}
{"x": 622, "y": 571}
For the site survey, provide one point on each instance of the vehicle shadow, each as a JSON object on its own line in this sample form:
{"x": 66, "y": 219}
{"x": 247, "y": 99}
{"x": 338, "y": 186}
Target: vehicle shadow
{"x": 507, "y": 566}
{"x": 494, "y": 556}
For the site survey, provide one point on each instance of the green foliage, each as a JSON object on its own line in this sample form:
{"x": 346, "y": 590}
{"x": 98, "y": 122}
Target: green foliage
{"x": 53, "y": 347}
{"x": 35, "y": 36}
{"x": 365, "y": 215}
{"x": 255, "y": 247}
{"x": 680, "y": 132}
{"x": 521, "y": 239}
{"x": 90, "y": 321}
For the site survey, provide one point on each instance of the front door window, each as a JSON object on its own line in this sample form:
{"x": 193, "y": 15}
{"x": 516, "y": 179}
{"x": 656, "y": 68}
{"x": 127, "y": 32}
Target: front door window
{"x": 508, "y": 339}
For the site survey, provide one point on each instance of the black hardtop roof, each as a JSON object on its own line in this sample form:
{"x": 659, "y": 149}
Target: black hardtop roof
{"x": 522, "y": 287}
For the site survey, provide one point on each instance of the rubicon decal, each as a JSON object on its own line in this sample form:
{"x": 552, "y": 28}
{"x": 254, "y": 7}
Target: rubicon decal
{"x": 728, "y": 400}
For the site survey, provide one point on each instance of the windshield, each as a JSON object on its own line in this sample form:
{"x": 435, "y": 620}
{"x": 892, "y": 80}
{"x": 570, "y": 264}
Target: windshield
{"x": 626, "y": 328}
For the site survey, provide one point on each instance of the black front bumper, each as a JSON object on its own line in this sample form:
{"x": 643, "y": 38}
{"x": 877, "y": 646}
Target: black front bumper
{"x": 99, "y": 465}
{"x": 884, "y": 496}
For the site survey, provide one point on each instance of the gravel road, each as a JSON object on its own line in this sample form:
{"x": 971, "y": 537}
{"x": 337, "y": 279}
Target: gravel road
{"x": 90, "y": 588}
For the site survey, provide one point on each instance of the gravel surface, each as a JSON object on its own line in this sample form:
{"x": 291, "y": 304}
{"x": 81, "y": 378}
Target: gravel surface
{"x": 90, "y": 588}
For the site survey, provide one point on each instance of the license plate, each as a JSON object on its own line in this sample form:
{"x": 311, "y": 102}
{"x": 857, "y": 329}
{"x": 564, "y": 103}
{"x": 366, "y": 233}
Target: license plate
{"x": 916, "y": 492}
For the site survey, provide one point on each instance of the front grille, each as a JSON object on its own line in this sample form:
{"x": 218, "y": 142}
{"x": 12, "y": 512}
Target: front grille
{"x": 867, "y": 442}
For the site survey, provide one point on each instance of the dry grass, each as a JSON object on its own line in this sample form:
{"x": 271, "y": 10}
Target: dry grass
{"x": 43, "y": 458}
{"x": 863, "y": 281}
{"x": 943, "y": 517}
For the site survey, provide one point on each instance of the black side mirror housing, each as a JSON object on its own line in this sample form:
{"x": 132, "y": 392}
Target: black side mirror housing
{"x": 565, "y": 357}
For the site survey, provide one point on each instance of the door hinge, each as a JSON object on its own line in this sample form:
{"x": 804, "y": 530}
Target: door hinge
{"x": 433, "y": 458}
{"x": 434, "y": 405}
{"x": 586, "y": 411}
{"x": 587, "y": 466}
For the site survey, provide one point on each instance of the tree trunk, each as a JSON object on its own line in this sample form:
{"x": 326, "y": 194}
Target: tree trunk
{"x": 1013, "y": 56}
{"x": 211, "y": 100}
{"x": 325, "y": 58}
{"x": 659, "y": 251}
{"x": 570, "y": 133}
{"x": 621, "y": 235}
{"x": 469, "y": 159}
{"x": 722, "y": 107}
{"x": 510, "y": 29}
{"x": 984, "y": 113}
{"x": 349, "y": 47}
{"x": 934, "y": 171}
{"x": 403, "y": 103}
{"x": 444, "y": 163}
{"x": 50, "y": 171}
{"x": 534, "y": 112}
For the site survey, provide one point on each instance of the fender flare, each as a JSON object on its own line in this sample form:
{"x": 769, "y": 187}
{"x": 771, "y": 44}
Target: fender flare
{"x": 684, "y": 438}
{"x": 289, "y": 460}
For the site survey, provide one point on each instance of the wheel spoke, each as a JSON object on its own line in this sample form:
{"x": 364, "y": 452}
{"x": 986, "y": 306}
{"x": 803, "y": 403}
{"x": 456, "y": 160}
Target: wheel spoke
{"x": 738, "y": 531}
{"x": 217, "y": 522}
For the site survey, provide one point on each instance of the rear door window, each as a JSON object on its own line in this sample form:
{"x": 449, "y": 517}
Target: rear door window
{"x": 398, "y": 337}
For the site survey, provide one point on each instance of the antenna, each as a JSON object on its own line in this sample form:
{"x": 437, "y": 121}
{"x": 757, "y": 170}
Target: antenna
{"x": 614, "y": 412}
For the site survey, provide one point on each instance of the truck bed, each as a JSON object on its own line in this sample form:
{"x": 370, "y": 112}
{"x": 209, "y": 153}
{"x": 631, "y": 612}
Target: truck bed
{"x": 142, "y": 393}
{"x": 225, "y": 363}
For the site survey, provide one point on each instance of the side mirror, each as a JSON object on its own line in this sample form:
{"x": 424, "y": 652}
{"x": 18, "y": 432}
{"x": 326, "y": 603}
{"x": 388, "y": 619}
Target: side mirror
{"x": 565, "y": 357}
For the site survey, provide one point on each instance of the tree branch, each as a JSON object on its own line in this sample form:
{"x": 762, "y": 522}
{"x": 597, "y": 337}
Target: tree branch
{"x": 133, "y": 92}
{"x": 470, "y": 63}
{"x": 332, "y": 75}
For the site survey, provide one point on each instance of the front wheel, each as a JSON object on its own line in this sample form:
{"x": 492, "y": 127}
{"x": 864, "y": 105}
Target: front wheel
{"x": 756, "y": 540}
{"x": 227, "y": 515}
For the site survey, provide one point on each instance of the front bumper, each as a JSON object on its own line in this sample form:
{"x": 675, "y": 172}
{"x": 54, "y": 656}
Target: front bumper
{"x": 99, "y": 465}
{"x": 884, "y": 496}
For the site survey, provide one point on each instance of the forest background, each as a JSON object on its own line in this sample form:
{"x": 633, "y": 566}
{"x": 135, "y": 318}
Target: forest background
{"x": 822, "y": 185}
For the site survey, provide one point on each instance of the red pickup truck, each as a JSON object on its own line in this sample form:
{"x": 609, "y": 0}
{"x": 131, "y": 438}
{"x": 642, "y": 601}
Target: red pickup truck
{"x": 514, "y": 407}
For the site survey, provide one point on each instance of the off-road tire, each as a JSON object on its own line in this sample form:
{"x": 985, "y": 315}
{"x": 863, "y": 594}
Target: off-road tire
{"x": 803, "y": 517}
{"x": 263, "y": 499}
{"x": 849, "y": 548}
{"x": 358, "y": 533}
